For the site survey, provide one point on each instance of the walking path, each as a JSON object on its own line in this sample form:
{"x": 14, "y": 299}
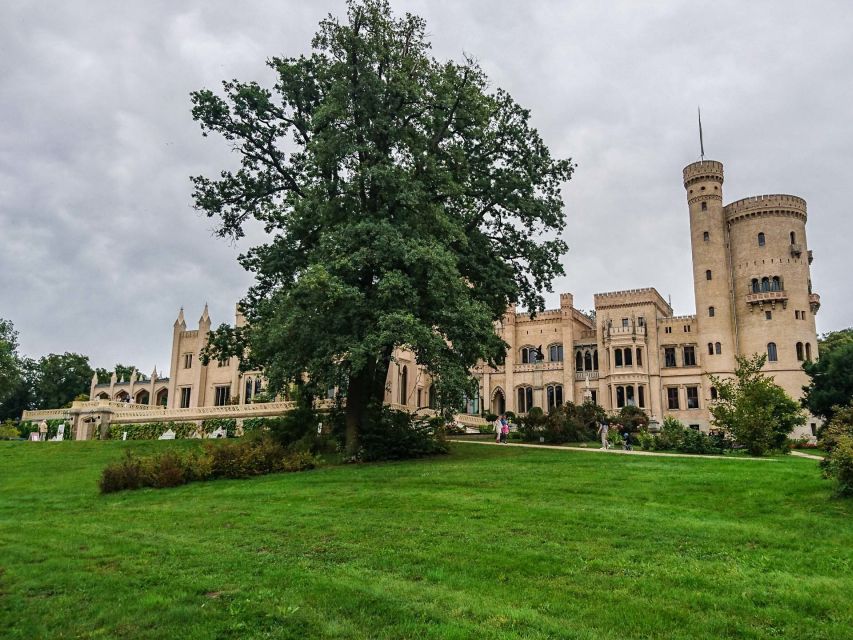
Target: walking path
{"x": 621, "y": 451}
{"x": 800, "y": 454}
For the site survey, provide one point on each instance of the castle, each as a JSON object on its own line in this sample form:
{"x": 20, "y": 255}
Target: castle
{"x": 753, "y": 294}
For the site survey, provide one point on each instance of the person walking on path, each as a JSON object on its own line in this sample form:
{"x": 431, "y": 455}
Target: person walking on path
{"x": 504, "y": 430}
{"x": 603, "y": 428}
{"x": 499, "y": 425}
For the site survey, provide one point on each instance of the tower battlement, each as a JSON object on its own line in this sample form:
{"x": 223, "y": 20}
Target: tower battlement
{"x": 779, "y": 202}
{"x": 703, "y": 170}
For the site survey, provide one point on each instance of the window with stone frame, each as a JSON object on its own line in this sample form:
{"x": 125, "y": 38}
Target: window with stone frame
{"x": 186, "y": 393}
{"x": 221, "y": 395}
{"x": 188, "y": 361}
{"x": 555, "y": 353}
{"x": 639, "y": 357}
{"x": 669, "y": 357}
{"x": 525, "y": 399}
{"x": 554, "y": 394}
{"x": 692, "y": 397}
{"x": 672, "y": 398}
{"x": 772, "y": 353}
{"x": 689, "y": 355}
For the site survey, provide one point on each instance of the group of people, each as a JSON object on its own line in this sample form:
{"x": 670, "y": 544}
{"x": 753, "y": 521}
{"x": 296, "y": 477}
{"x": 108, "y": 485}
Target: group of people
{"x": 501, "y": 429}
{"x": 604, "y": 430}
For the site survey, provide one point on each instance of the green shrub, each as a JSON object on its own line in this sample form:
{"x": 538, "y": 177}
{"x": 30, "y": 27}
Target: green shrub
{"x": 230, "y": 459}
{"x": 646, "y": 441}
{"x": 388, "y": 434}
{"x": 533, "y": 425}
{"x": 8, "y": 431}
{"x": 839, "y": 466}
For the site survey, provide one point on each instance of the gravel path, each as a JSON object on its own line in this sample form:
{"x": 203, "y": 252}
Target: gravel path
{"x": 622, "y": 452}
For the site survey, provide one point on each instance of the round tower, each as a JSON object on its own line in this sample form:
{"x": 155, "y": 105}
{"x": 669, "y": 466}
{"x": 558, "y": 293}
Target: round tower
{"x": 774, "y": 303}
{"x": 709, "y": 241}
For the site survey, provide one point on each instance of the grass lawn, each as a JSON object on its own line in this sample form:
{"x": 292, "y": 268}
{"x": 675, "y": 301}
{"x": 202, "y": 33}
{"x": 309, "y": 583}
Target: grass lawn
{"x": 488, "y": 542}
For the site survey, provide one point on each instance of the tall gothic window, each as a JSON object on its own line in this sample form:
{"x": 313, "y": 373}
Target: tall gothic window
{"x": 525, "y": 399}
{"x": 578, "y": 361}
{"x": 761, "y": 240}
{"x": 772, "y": 355}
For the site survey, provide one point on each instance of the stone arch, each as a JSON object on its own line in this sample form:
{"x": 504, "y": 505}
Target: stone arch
{"x": 578, "y": 361}
{"x": 161, "y": 397}
{"x": 587, "y": 361}
{"x": 498, "y": 401}
{"x": 142, "y": 397}
{"x": 103, "y": 395}
{"x": 121, "y": 396}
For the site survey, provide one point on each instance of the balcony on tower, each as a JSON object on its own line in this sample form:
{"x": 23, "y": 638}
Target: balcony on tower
{"x": 771, "y": 298}
{"x": 796, "y": 250}
{"x": 814, "y": 302}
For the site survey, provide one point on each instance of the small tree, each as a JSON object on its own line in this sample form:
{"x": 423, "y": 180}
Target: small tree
{"x": 831, "y": 382}
{"x": 754, "y": 409}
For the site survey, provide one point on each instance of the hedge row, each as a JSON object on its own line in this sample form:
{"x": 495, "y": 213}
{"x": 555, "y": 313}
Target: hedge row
{"x": 241, "y": 459}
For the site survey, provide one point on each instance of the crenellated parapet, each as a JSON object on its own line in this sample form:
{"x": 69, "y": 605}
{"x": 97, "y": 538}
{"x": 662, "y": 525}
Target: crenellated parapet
{"x": 705, "y": 170}
{"x": 779, "y": 204}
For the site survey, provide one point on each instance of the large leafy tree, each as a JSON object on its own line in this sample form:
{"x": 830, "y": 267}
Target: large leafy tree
{"x": 831, "y": 376}
{"x": 122, "y": 371}
{"x": 753, "y": 408}
{"x": 10, "y": 370}
{"x": 60, "y": 378}
{"x": 404, "y": 204}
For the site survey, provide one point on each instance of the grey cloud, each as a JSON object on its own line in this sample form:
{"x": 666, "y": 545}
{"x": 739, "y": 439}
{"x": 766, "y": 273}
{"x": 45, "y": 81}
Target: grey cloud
{"x": 99, "y": 245}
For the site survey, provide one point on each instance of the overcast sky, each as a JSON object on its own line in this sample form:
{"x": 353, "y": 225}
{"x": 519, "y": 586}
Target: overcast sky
{"x": 99, "y": 244}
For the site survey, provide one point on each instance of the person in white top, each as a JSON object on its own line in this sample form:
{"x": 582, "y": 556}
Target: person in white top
{"x": 498, "y": 428}
{"x": 603, "y": 428}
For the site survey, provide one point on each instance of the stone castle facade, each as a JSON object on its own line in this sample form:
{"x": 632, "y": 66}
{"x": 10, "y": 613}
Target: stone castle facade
{"x": 753, "y": 294}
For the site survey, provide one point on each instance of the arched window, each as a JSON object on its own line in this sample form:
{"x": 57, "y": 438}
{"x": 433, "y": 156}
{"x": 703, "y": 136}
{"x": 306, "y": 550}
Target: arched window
{"x": 714, "y": 393}
{"x": 756, "y": 287}
{"x": 162, "y": 398}
{"x": 595, "y": 360}
{"x": 711, "y": 312}
{"x": 554, "y": 393}
{"x": 639, "y": 357}
{"x": 718, "y": 348}
{"x": 710, "y": 348}
{"x": 793, "y": 238}
{"x": 808, "y": 351}
{"x": 706, "y": 236}
{"x": 629, "y": 360}
{"x": 247, "y": 398}
{"x": 404, "y": 384}
{"x": 525, "y": 399}
{"x": 772, "y": 355}
{"x": 708, "y": 274}
{"x": 587, "y": 361}
{"x": 800, "y": 351}
{"x": 578, "y": 361}
{"x": 555, "y": 353}
{"x": 629, "y": 396}
{"x": 765, "y": 284}
{"x": 620, "y": 397}
{"x": 618, "y": 357}
{"x": 775, "y": 284}
{"x": 761, "y": 240}
{"x": 527, "y": 355}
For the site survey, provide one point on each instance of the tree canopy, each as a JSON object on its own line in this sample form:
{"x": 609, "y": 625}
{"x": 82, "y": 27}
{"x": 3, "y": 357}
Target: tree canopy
{"x": 405, "y": 204}
{"x": 831, "y": 376}
{"x": 10, "y": 372}
{"x": 753, "y": 408}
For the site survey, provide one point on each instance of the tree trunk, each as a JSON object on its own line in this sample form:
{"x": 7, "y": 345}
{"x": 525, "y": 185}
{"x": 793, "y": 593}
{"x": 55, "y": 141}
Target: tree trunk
{"x": 365, "y": 389}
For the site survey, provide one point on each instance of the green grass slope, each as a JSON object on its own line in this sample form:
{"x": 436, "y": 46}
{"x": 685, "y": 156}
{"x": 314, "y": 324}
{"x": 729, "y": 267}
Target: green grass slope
{"x": 487, "y": 542}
